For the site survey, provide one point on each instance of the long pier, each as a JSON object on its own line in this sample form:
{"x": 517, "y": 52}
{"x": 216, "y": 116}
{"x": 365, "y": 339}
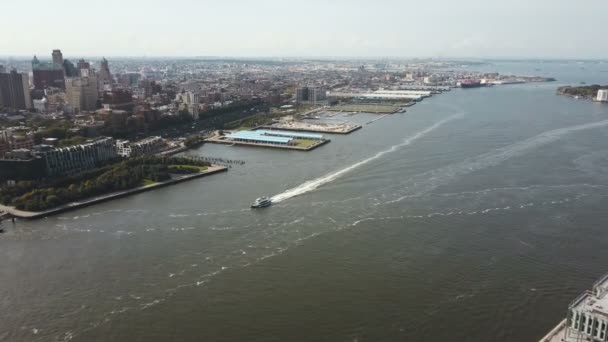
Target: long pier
{"x": 275, "y": 146}
{"x": 314, "y": 128}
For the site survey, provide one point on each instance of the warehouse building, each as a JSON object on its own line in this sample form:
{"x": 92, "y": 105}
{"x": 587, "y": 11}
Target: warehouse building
{"x": 258, "y": 138}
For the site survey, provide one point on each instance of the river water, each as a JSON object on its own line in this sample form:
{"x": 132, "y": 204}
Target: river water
{"x": 475, "y": 216}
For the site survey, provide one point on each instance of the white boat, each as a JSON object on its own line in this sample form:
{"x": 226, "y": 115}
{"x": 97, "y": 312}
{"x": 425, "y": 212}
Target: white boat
{"x": 262, "y": 202}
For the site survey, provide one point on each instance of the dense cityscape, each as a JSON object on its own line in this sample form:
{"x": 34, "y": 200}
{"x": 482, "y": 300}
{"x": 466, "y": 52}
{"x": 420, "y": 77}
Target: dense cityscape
{"x": 60, "y": 118}
{"x": 449, "y": 192}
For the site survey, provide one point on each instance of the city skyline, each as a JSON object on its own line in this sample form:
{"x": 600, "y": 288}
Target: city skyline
{"x": 272, "y": 28}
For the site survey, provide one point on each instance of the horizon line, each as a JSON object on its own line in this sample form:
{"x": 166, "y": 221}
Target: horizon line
{"x": 323, "y": 57}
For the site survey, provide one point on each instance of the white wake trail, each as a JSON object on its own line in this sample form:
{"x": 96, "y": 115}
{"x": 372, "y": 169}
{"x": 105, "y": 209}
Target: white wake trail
{"x": 315, "y": 183}
{"x": 425, "y": 182}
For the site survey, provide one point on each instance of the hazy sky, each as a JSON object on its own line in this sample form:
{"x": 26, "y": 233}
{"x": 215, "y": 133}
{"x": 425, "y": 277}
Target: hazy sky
{"x": 422, "y": 28}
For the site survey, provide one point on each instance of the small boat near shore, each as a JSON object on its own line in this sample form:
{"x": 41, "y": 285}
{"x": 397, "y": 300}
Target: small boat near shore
{"x": 261, "y": 202}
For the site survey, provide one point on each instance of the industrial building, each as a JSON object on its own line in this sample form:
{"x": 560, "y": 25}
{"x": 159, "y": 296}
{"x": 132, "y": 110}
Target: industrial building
{"x": 258, "y": 138}
{"x": 273, "y": 137}
{"x": 296, "y": 135}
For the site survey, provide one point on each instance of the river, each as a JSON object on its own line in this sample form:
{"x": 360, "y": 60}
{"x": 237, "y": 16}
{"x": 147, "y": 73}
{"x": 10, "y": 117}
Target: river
{"x": 475, "y": 216}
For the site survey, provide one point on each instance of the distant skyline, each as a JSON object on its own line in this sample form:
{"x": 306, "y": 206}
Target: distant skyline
{"x": 280, "y": 28}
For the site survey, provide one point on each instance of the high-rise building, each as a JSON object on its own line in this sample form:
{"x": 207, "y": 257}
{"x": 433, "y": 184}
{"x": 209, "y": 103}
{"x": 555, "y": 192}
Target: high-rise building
{"x": 2, "y": 68}
{"x": 189, "y": 101}
{"x": 316, "y": 94}
{"x": 311, "y": 95}
{"x": 82, "y": 92}
{"x": 302, "y": 94}
{"x": 105, "y": 77}
{"x": 602, "y": 95}
{"x": 47, "y": 74}
{"x": 82, "y": 64}
{"x": 15, "y": 90}
{"x": 70, "y": 68}
{"x": 129, "y": 79}
{"x": 58, "y": 58}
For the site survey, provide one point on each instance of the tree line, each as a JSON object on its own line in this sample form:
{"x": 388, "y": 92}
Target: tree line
{"x": 127, "y": 174}
{"x": 589, "y": 91}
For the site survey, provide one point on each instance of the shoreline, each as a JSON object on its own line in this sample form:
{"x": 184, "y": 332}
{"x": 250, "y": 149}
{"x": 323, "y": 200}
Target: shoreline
{"x": 30, "y": 215}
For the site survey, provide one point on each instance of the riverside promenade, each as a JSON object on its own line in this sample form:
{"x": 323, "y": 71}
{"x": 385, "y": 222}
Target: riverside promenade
{"x": 29, "y": 215}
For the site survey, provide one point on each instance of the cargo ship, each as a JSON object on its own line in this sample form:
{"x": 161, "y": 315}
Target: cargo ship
{"x": 471, "y": 84}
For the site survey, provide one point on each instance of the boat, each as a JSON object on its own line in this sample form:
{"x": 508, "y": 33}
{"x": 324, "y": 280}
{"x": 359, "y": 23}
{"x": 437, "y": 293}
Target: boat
{"x": 262, "y": 202}
{"x": 471, "y": 84}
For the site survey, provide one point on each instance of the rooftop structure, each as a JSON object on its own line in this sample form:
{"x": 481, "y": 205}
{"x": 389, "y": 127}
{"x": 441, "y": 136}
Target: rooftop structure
{"x": 290, "y": 134}
{"x": 257, "y": 137}
{"x": 587, "y": 318}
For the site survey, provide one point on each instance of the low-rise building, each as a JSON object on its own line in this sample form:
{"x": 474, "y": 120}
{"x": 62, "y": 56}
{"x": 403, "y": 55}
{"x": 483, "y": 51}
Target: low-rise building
{"x": 77, "y": 158}
{"x": 90, "y": 129}
{"x": 41, "y": 105}
{"x": 15, "y": 138}
{"x": 21, "y": 164}
{"x": 146, "y": 146}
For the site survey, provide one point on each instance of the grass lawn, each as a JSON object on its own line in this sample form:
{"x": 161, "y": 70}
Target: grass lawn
{"x": 149, "y": 182}
{"x": 305, "y": 142}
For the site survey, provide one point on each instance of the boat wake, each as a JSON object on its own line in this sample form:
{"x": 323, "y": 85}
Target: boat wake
{"x": 425, "y": 182}
{"x": 315, "y": 183}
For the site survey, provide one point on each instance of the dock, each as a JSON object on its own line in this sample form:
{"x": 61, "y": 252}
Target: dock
{"x": 316, "y": 128}
{"x": 219, "y": 140}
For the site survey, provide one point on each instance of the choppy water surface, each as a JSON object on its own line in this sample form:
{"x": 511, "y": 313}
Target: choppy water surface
{"x": 475, "y": 216}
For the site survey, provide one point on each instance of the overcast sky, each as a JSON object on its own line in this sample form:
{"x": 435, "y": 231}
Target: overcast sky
{"x": 371, "y": 28}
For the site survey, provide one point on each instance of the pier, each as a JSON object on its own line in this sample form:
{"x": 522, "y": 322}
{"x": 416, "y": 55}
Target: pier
{"x": 219, "y": 140}
{"x": 316, "y": 128}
